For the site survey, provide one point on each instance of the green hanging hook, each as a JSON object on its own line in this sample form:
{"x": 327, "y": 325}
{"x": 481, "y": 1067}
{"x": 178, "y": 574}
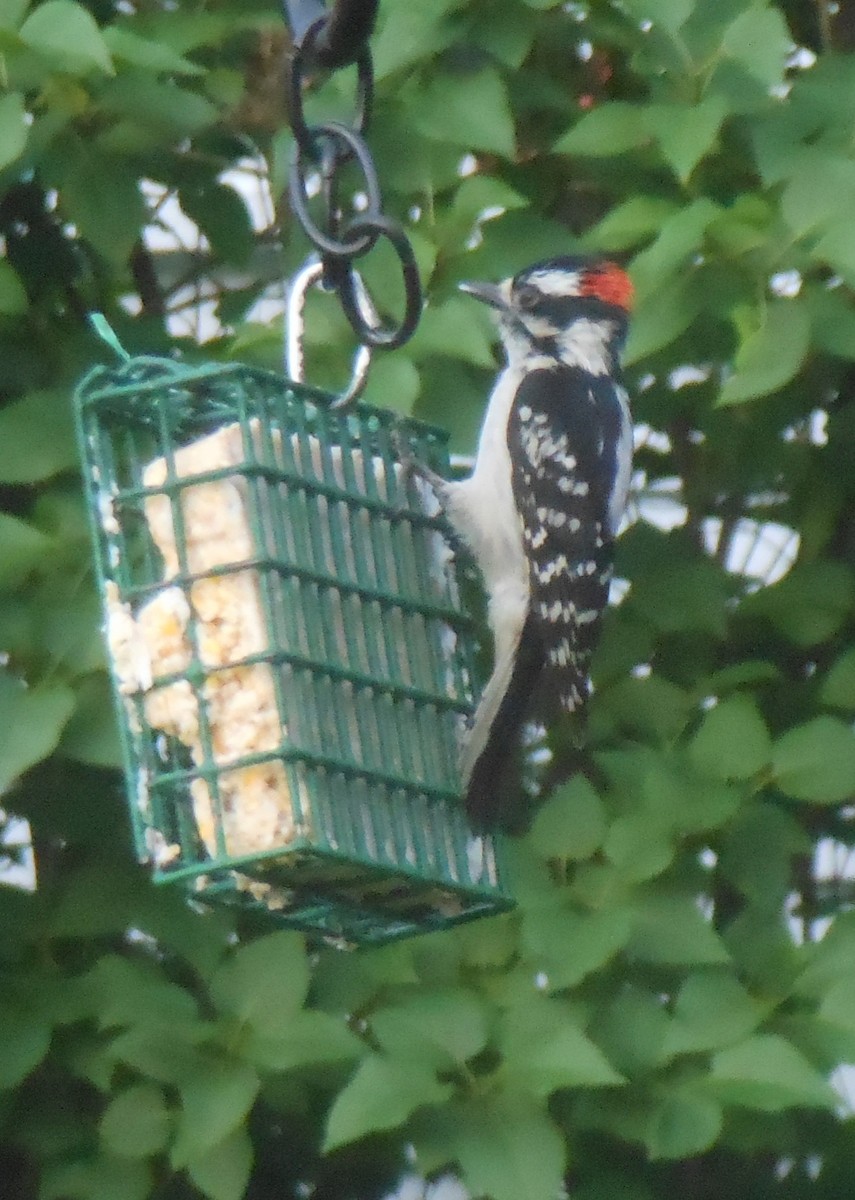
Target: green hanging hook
{"x": 107, "y": 334}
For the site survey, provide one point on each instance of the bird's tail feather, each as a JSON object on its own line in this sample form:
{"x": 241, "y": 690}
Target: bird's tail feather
{"x": 488, "y": 754}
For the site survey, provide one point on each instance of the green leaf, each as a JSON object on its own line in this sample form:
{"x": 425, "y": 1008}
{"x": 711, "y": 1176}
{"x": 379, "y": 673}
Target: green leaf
{"x": 744, "y": 226}
{"x": 13, "y": 297}
{"x": 544, "y": 1049}
{"x": 631, "y": 1029}
{"x": 100, "y": 195}
{"x": 809, "y": 604}
{"x": 162, "y": 1052}
{"x": 92, "y": 734}
{"x": 66, "y": 35}
{"x": 136, "y": 1122}
{"x": 408, "y": 33}
{"x": 570, "y": 945}
{"x": 820, "y": 185}
{"x": 767, "y": 1072}
{"x": 762, "y": 833}
{"x": 612, "y": 128}
{"x": 98, "y": 1178}
{"x": 22, "y": 547}
{"x": 154, "y": 110}
{"x": 506, "y": 1145}
{"x": 685, "y": 598}
{"x": 27, "y": 459}
{"x": 214, "y": 1102}
{"x": 127, "y": 46}
{"x": 13, "y": 13}
{"x": 816, "y": 761}
{"x": 770, "y": 356}
{"x": 832, "y": 321}
{"x": 639, "y": 846}
{"x": 223, "y": 1172}
{"x": 310, "y": 1039}
{"x": 759, "y": 41}
{"x": 836, "y": 1006}
{"x": 13, "y": 138}
{"x": 634, "y": 221}
{"x": 651, "y": 706}
{"x": 477, "y": 193}
{"x": 123, "y": 992}
{"x": 740, "y": 674}
{"x": 471, "y": 111}
{"x": 836, "y": 247}
{"x": 838, "y": 687}
{"x": 381, "y": 1095}
{"x": 830, "y": 961}
{"x": 222, "y": 216}
{"x": 440, "y": 1028}
{"x": 683, "y": 1125}
{"x": 712, "y": 1010}
{"x": 680, "y": 238}
{"x": 733, "y": 741}
{"x": 670, "y": 14}
{"x": 31, "y": 722}
{"x": 662, "y": 316}
{"x": 571, "y": 824}
{"x": 264, "y": 982}
{"x": 457, "y": 329}
{"x": 670, "y": 929}
{"x": 684, "y": 133}
{"x": 394, "y": 383}
{"x": 25, "y": 1038}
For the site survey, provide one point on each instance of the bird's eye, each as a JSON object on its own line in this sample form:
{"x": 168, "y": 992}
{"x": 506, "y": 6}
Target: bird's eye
{"x": 527, "y": 296}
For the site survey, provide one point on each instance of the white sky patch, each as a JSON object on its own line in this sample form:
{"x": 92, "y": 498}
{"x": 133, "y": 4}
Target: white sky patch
{"x": 647, "y": 438}
{"x": 761, "y": 550}
{"x": 618, "y": 590}
{"x": 802, "y": 58}
{"x": 687, "y": 374}
{"x": 842, "y": 1079}
{"x": 786, "y": 284}
{"x": 16, "y": 843}
{"x": 658, "y": 503}
{"x": 413, "y": 1187}
{"x": 818, "y": 427}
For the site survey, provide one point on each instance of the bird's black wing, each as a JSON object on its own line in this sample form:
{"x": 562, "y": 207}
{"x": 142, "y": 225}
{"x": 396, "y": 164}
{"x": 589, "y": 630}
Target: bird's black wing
{"x": 563, "y": 435}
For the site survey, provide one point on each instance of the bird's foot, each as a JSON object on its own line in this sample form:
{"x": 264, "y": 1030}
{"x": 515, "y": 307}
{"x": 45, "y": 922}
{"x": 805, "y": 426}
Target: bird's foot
{"x": 411, "y": 467}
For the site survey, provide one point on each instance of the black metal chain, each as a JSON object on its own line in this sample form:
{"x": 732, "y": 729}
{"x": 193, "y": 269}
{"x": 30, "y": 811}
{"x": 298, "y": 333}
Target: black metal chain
{"x": 332, "y": 39}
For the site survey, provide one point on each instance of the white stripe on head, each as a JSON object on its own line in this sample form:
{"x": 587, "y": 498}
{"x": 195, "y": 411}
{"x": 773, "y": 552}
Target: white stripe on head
{"x": 555, "y": 282}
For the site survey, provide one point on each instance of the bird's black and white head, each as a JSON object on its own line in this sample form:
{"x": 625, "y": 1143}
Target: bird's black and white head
{"x": 571, "y": 310}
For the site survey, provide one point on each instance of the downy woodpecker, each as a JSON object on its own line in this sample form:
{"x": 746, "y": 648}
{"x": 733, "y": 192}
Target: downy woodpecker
{"x": 542, "y": 506}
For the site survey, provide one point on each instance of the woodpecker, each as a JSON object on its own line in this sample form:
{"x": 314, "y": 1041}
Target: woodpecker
{"x": 542, "y": 506}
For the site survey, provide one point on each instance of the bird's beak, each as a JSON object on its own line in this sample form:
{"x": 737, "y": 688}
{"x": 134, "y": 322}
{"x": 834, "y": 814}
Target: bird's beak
{"x": 490, "y": 293}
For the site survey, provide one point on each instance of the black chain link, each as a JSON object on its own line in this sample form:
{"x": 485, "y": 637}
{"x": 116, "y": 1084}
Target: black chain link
{"x": 330, "y": 40}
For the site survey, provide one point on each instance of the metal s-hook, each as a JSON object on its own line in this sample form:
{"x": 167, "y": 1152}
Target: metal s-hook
{"x": 311, "y": 274}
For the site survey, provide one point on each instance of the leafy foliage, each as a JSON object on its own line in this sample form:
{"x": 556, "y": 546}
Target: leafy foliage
{"x": 661, "y": 1016}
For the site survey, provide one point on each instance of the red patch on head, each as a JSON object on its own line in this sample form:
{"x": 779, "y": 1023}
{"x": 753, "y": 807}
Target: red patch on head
{"x": 610, "y": 284}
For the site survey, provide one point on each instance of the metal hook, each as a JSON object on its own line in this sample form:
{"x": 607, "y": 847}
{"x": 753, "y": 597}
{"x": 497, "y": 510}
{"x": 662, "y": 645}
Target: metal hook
{"x": 311, "y": 274}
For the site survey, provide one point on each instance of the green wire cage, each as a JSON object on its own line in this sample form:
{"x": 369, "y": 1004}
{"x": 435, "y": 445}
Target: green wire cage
{"x": 291, "y": 665}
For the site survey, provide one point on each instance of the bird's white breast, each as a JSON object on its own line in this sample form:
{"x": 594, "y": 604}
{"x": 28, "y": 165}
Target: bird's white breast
{"x": 483, "y": 511}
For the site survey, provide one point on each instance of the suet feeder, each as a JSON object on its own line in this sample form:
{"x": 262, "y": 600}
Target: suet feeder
{"x": 291, "y": 665}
